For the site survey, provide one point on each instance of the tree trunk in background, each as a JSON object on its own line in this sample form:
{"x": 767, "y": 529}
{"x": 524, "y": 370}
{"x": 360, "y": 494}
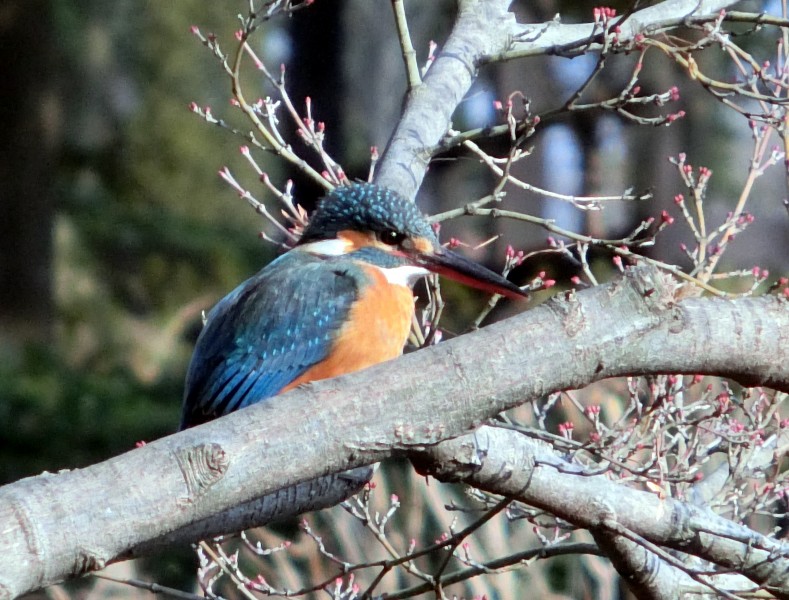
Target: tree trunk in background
{"x": 27, "y": 171}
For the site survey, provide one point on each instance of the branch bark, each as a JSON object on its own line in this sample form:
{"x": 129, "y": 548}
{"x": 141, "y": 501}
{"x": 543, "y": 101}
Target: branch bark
{"x": 507, "y": 463}
{"x": 56, "y": 526}
{"x": 483, "y": 27}
{"x": 486, "y": 33}
{"x": 569, "y": 40}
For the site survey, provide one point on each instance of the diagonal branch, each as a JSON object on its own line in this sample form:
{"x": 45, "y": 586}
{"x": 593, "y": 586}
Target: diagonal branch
{"x": 56, "y": 526}
{"x": 485, "y": 33}
{"x": 503, "y": 462}
{"x": 482, "y": 28}
{"x": 573, "y": 39}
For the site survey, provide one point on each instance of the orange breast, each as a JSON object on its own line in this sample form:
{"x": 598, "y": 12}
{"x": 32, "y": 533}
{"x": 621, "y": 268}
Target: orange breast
{"x": 376, "y": 331}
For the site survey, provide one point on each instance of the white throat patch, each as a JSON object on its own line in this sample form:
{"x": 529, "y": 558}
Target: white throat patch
{"x": 405, "y": 275}
{"x": 333, "y": 247}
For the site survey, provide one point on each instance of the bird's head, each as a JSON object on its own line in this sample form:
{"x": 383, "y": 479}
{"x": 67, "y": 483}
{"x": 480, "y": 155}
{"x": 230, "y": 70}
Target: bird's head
{"x": 379, "y": 226}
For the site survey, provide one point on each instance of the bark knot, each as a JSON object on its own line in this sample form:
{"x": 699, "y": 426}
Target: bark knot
{"x": 87, "y": 562}
{"x": 570, "y": 312}
{"x": 202, "y": 466}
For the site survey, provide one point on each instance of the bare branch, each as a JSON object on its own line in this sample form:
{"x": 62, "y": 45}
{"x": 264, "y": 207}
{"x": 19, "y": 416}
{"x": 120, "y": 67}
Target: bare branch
{"x": 503, "y": 462}
{"x": 571, "y": 40}
{"x": 407, "y": 48}
{"x": 483, "y": 28}
{"x": 485, "y": 32}
{"x": 57, "y": 525}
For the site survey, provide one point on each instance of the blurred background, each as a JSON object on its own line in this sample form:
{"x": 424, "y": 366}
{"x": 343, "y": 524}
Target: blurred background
{"x": 116, "y": 232}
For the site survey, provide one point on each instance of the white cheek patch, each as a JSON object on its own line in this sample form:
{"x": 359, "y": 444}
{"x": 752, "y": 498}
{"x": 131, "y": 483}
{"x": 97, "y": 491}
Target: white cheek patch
{"x": 405, "y": 275}
{"x": 333, "y": 247}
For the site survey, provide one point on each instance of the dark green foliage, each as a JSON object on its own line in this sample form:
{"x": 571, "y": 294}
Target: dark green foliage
{"x": 53, "y": 416}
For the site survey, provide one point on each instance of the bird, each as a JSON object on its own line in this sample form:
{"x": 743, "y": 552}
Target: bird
{"x": 339, "y": 301}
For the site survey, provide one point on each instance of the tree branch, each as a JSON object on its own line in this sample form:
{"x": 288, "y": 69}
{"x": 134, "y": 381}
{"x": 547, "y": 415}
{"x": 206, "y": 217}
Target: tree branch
{"x": 55, "y": 526}
{"x": 485, "y": 33}
{"x": 570, "y": 40}
{"x": 483, "y": 27}
{"x": 504, "y": 462}
{"x": 651, "y": 578}
{"x": 307, "y": 496}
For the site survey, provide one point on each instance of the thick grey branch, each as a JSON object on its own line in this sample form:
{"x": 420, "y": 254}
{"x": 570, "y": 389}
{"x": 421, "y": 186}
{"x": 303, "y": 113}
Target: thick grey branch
{"x": 485, "y": 32}
{"x": 56, "y": 526}
{"x": 573, "y": 39}
{"x": 648, "y": 577}
{"x": 483, "y": 28}
{"x": 651, "y": 578}
{"x": 316, "y": 494}
{"x": 507, "y": 463}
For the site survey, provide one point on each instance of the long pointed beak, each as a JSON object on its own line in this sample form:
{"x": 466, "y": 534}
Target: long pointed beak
{"x": 452, "y": 265}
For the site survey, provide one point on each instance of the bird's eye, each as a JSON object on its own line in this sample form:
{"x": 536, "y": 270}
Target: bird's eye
{"x": 391, "y": 237}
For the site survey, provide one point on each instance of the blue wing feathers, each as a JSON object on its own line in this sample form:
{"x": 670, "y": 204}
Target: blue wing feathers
{"x": 267, "y": 332}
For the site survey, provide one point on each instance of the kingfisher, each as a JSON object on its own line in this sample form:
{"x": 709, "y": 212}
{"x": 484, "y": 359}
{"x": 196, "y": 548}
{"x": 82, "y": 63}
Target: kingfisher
{"x": 341, "y": 300}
